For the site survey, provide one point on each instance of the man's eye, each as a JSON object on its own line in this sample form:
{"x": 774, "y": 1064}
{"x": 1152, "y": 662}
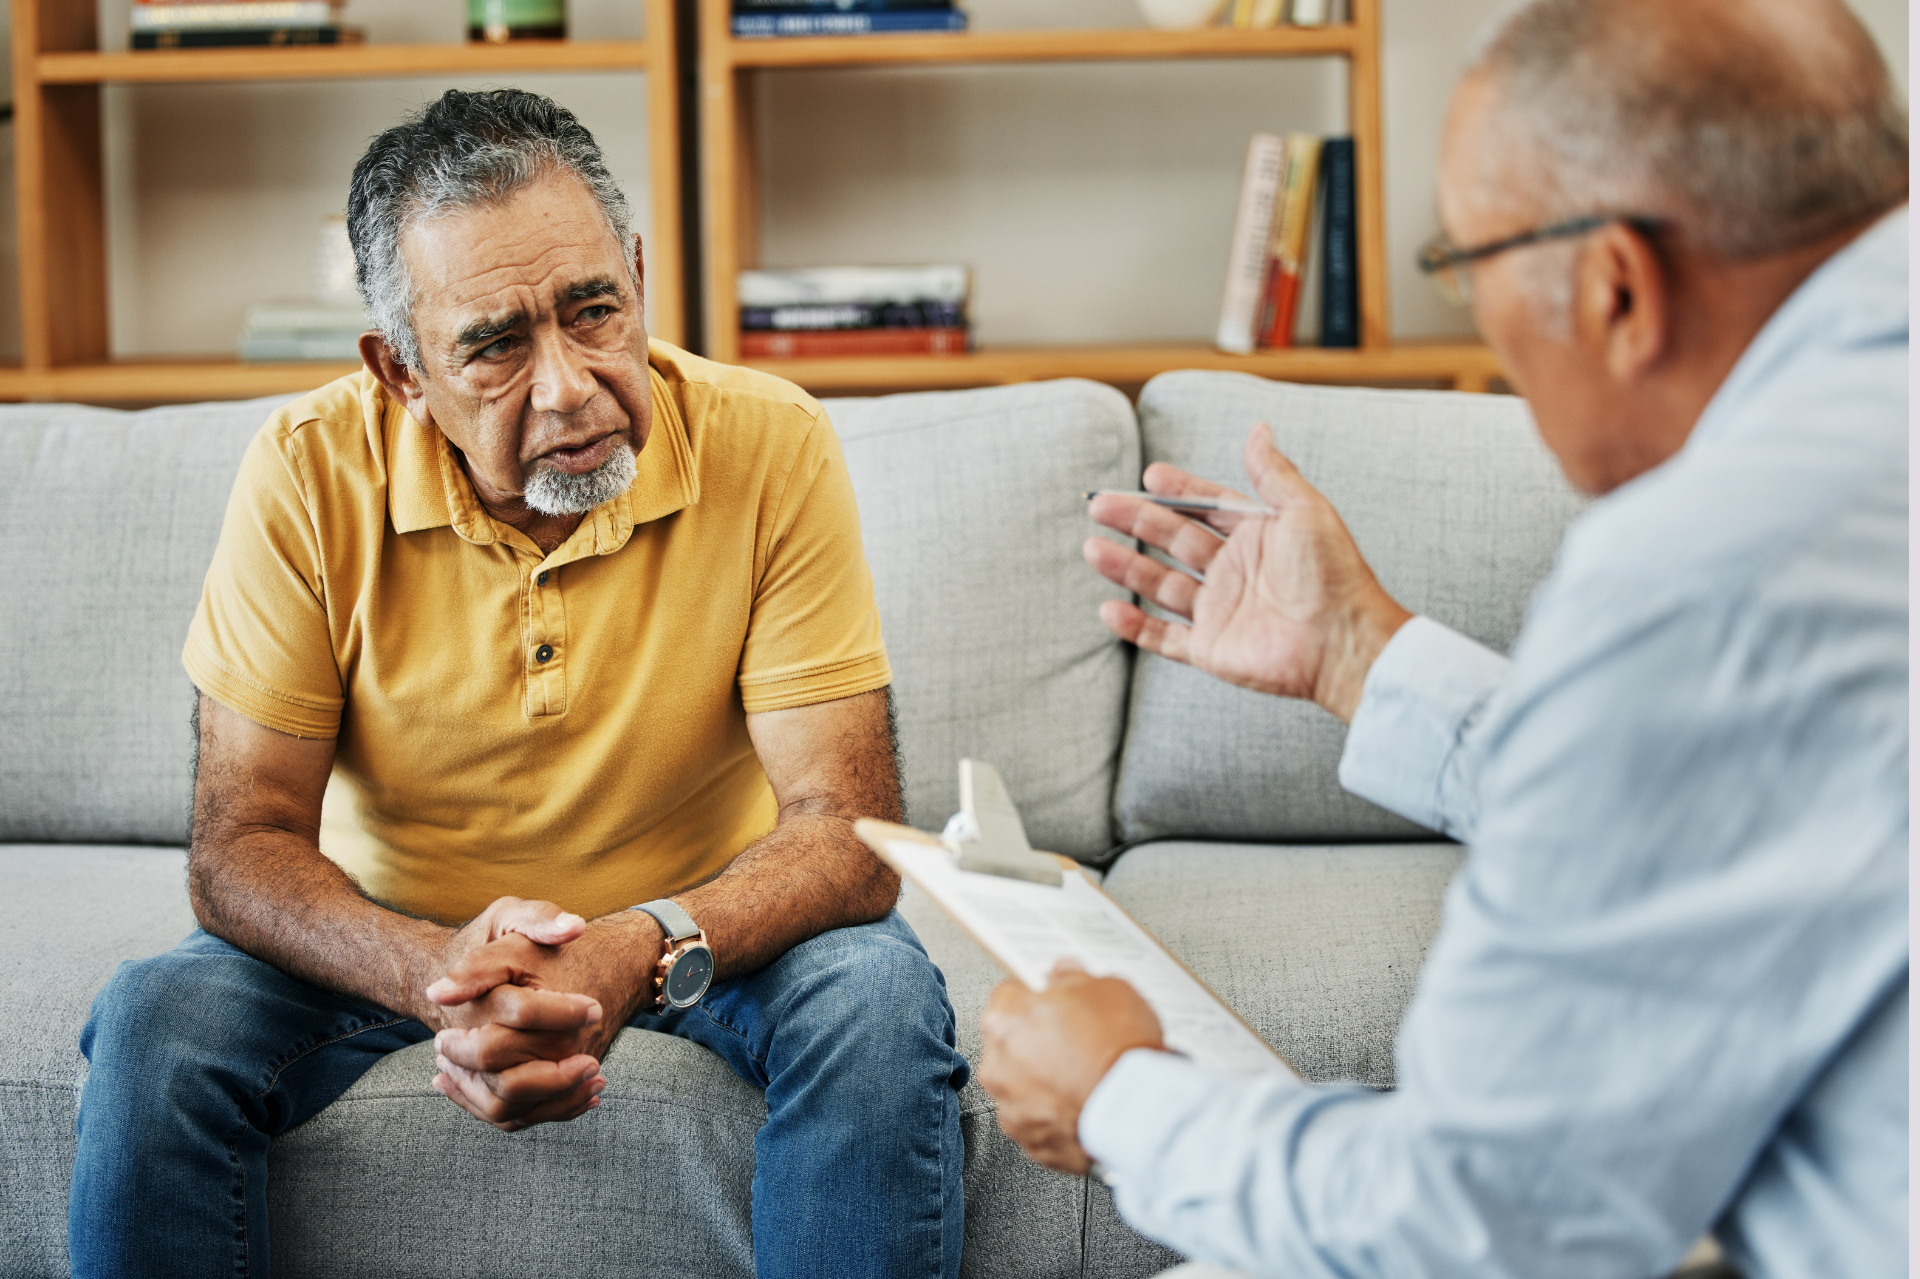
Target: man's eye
{"x": 497, "y": 348}
{"x": 594, "y": 314}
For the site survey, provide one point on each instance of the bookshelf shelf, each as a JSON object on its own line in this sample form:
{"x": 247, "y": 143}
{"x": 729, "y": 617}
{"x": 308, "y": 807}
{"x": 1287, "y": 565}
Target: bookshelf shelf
{"x": 345, "y": 62}
{"x": 60, "y": 186}
{"x": 1039, "y": 46}
{"x": 164, "y": 381}
{"x": 731, "y": 238}
{"x": 1465, "y": 366}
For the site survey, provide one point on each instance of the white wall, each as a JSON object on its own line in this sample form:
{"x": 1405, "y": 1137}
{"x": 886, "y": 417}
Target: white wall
{"x": 1093, "y": 201}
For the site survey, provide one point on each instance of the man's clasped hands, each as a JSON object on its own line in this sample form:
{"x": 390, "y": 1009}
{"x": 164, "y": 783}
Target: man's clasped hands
{"x": 528, "y": 1006}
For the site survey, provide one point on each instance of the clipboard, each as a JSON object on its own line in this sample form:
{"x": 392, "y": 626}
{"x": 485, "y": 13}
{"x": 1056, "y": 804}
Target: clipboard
{"x": 1027, "y": 923}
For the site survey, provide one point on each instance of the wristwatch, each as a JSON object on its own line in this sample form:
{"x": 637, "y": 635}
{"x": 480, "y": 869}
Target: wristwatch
{"x": 686, "y": 966}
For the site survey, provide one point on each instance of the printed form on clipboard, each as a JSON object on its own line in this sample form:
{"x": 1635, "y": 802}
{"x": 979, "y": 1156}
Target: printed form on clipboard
{"x": 1029, "y": 910}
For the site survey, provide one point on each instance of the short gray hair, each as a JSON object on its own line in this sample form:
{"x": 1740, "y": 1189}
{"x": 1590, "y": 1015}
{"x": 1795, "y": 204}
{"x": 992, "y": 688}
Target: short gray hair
{"x": 466, "y": 150}
{"x": 1733, "y": 131}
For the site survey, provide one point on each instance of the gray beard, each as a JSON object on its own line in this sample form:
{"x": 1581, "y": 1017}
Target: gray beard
{"x": 551, "y": 491}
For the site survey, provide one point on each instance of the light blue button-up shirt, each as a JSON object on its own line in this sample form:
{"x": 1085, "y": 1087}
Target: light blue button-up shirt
{"x": 1669, "y": 994}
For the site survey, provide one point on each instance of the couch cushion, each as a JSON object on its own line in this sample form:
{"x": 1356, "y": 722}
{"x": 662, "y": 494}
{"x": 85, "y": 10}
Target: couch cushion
{"x": 1317, "y": 947}
{"x": 1455, "y": 503}
{"x": 657, "y": 1178}
{"x": 971, "y": 510}
{"x": 107, "y": 523}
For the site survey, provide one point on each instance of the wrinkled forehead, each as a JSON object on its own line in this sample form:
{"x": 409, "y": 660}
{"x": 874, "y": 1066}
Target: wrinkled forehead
{"x": 541, "y": 242}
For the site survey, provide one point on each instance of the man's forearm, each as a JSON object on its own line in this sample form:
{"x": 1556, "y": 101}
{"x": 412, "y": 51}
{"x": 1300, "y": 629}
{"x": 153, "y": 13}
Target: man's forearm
{"x": 276, "y": 896}
{"x": 809, "y": 875}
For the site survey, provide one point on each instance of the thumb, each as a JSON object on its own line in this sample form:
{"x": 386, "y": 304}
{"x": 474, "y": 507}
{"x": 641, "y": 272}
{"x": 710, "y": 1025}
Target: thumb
{"x": 1275, "y": 479}
{"x": 542, "y": 922}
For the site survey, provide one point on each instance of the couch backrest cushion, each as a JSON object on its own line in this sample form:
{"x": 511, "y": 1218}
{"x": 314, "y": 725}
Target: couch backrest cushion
{"x": 107, "y": 523}
{"x": 971, "y": 512}
{"x": 1455, "y": 503}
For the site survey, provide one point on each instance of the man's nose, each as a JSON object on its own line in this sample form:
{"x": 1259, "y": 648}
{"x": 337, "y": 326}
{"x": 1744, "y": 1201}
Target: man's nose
{"x": 562, "y": 382}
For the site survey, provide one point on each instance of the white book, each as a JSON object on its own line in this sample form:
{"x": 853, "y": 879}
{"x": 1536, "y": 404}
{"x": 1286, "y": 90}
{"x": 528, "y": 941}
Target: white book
{"x": 832, "y": 285}
{"x": 232, "y": 16}
{"x": 1309, "y": 13}
{"x": 1252, "y": 227}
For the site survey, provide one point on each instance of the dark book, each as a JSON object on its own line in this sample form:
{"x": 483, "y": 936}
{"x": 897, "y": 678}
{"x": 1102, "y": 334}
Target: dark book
{"x": 849, "y": 23}
{"x": 245, "y": 37}
{"x": 841, "y": 342}
{"x": 1340, "y": 256}
{"x": 854, "y": 315}
{"x": 836, "y": 6}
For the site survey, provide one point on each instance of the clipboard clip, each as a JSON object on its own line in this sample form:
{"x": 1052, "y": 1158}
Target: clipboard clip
{"x": 986, "y": 836}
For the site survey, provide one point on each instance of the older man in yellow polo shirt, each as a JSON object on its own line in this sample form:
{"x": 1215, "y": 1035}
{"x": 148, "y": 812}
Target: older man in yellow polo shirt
{"x": 541, "y": 680}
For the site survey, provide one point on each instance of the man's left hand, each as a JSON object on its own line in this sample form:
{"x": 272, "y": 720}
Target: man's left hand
{"x": 1043, "y": 1055}
{"x": 497, "y": 1067}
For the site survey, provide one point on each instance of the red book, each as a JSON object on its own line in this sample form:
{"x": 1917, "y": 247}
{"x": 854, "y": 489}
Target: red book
{"x": 806, "y": 344}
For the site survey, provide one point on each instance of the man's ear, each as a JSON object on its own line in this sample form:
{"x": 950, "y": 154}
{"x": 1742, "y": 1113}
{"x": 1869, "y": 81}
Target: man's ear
{"x": 1623, "y": 302}
{"x": 401, "y": 382}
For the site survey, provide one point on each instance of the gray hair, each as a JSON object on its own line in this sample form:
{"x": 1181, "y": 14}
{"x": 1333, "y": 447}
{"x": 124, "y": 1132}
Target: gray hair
{"x": 466, "y": 150}
{"x": 1750, "y": 128}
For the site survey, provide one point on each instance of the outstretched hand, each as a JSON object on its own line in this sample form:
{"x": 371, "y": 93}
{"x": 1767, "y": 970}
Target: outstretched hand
{"x": 520, "y": 1038}
{"x": 1286, "y": 605}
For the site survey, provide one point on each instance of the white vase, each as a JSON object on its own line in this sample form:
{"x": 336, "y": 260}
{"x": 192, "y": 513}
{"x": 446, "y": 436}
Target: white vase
{"x": 1178, "y": 15}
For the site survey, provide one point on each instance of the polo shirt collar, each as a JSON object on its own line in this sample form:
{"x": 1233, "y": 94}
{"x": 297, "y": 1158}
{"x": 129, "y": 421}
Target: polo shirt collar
{"x": 427, "y": 487}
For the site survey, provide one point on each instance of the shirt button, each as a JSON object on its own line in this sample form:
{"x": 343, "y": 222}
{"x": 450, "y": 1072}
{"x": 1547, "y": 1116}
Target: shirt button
{"x": 542, "y": 579}
{"x": 542, "y": 653}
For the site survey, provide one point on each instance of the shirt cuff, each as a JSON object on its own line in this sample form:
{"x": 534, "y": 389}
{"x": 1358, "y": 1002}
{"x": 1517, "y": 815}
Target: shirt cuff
{"x": 1132, "y": 1113}
{"x": 1425, "y": 689}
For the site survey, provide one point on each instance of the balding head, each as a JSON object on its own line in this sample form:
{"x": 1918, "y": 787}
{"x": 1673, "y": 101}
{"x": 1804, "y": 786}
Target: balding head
{"x": 1751, "y": 126}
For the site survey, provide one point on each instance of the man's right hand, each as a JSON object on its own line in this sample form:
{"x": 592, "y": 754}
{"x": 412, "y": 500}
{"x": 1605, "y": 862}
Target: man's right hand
{"x": 499, "y": 1003}
{"x": 1288, "y": 606}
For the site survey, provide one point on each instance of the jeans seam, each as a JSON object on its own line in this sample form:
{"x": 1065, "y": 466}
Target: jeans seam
{"x": 758, "y": 1058}
{"x": 316, "y": 1046}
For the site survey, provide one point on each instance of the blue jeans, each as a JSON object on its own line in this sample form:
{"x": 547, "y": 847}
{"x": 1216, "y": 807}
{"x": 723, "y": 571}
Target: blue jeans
{"x": 204, "y": 1054}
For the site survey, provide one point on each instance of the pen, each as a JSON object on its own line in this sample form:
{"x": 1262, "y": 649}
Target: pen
{"x": 1224, "y": 505}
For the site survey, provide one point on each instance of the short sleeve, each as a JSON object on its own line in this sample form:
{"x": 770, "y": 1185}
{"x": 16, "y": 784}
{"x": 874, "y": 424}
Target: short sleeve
{"x": 260, "y": 644}
{"x": 815, "y": 631}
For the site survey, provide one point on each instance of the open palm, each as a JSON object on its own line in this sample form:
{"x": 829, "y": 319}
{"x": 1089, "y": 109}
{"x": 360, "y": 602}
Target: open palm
{"x": 1287, "y": 605}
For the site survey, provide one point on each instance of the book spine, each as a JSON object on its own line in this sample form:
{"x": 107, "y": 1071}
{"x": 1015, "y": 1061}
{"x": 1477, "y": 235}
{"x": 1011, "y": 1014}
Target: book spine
{"x": 1309, "y": 13}
{"x": 1247, "y": 258}
{"x": 800, "y": 346}
{"x": 855, "y": 315}
{"x": 836, "y": 6}
{"x": 289, "y": 13}
{"x": 748, "y": 26}
{"x": 246, "y": 37}
{"x": 1340, "y": 280}
{"x": 1289, "y": 243}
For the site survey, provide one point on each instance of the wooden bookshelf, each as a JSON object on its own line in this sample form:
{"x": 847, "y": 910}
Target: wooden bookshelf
{"x": 58, "y": 72}
{"x": 732, "y": 212}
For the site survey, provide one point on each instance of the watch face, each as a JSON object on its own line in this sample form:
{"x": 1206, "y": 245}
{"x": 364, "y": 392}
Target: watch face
{"x": 690, "y": 976}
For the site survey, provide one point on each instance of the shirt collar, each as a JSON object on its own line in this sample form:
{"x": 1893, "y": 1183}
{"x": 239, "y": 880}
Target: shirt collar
{"x": 428, "y": 488}
{"x": 1855, "y": 298}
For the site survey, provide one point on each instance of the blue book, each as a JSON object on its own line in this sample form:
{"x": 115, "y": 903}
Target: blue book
{"x": 835, "y": 6}
{"x": 850, "y": 23}
{"x": 1339, "y": 262}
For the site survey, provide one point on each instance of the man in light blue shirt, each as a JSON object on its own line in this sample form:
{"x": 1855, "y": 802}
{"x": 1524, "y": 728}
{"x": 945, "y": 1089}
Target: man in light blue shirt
{"x": 1669, "y": 995}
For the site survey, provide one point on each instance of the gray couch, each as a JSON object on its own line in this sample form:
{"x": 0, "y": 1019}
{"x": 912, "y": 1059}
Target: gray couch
{"x": 1308, "y": 910}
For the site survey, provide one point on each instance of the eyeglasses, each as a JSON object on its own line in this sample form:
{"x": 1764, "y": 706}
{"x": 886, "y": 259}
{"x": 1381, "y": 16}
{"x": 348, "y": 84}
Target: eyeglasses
{"x": 1445, "y": 264}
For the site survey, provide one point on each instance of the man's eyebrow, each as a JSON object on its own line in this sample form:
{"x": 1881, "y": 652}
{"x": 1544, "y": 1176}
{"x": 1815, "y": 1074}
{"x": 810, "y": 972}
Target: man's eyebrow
{"x": 481, "y": 332}
{"x": 599, "y": 286}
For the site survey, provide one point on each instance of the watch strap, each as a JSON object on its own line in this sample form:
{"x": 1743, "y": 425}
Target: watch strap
{"x": 676, "y": 923}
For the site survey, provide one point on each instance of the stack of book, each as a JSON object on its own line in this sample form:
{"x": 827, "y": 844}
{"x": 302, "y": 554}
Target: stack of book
{"x": 275, "y": 332}
{"x": 756, "y": 18}
{"x": 1264, "y": 14}
{"x": 853, "y": 310}
{"x": 1292, "y": 185}
{"x": 215, "y": 24}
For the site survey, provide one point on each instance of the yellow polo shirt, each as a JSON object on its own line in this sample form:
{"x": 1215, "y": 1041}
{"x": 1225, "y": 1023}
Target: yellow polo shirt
{"x": 570, "y": 726}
